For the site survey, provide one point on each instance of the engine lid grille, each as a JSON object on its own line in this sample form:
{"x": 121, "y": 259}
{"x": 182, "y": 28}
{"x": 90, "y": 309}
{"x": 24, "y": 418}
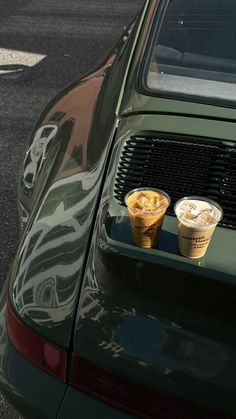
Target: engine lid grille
{"x": 181, "y": 168}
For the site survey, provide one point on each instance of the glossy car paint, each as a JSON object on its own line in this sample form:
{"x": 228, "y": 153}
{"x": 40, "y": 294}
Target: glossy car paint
{"x": 127, "y": 294}
{"x": 155, "y": 316}
{"x": 130, "y": 294}
{"x": 45, "y": 288}
{"x": 63, "y": 195}
{"x": 66, "y": 158}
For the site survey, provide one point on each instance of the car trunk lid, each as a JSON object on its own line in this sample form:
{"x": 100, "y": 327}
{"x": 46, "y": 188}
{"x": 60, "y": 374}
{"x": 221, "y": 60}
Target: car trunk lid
{"x": 150, "y": 315}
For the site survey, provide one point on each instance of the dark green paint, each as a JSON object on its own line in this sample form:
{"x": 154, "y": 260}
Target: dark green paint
{"x": 154, "y": 315}
{"x": 63, "y": 196}
{"x": 151, "y": 315}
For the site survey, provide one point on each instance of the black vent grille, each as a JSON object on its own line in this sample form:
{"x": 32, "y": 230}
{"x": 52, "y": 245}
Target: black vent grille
{"x": 181, "y": 168}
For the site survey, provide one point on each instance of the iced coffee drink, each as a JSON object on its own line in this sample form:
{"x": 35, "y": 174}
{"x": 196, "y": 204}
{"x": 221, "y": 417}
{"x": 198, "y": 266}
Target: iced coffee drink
{"x": 197, "y": 219}
{"x": 146, "y": 209}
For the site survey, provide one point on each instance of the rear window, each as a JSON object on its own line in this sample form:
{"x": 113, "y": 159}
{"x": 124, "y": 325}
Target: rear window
{"x": 193, "y": 50}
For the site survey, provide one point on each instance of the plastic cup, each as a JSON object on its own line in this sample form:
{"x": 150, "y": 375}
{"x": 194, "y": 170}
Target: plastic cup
{"x": 146, "y": 209}
{"x": 195, "y": 229}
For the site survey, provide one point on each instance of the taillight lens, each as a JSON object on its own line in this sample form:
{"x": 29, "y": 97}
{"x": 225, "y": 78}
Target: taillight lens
{"x": 34, "y": 347}
{"x": 130, "y": 396}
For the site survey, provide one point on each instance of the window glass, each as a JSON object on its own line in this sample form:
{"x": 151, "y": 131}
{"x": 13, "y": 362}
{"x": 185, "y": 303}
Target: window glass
{"x": 194, "y": 50}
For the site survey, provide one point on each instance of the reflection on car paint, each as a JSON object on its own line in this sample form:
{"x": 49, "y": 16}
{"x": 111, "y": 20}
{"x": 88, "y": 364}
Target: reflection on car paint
{"x": 36, "y": 153}
{"x": 47, "y": 281}
{"x": 115, "y": 332}
{"x": 51, "y": 256}
{"x": 125, "y": 300}
{"x": 23, "y": 213}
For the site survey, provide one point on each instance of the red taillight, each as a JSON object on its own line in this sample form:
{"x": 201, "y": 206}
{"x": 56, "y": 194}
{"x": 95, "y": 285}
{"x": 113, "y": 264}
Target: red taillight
{"x": 130, "y": 396}
{"x": 34, "y": 347}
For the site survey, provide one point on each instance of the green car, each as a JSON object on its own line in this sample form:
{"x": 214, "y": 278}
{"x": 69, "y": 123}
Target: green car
{"x": 93, "y": 326}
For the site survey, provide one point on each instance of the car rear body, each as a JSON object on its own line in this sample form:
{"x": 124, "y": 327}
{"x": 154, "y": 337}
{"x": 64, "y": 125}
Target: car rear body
{"x": 143, "y": 331}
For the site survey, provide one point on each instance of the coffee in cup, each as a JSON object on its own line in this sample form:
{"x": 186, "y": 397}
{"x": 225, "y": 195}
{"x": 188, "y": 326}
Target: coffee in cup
{"x": 146, "y": 209}
{"x": 197, "y": 218}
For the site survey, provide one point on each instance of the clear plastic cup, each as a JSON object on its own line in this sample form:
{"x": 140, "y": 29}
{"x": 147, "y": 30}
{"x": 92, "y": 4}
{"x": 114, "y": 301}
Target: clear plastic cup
{"x": 197, "y": 218}
{"x": 146, "y": 209}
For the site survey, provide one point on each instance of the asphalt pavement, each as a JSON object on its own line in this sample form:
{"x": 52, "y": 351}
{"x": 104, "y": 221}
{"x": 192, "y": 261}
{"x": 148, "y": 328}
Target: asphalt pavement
{"x": 44, "y": 46}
